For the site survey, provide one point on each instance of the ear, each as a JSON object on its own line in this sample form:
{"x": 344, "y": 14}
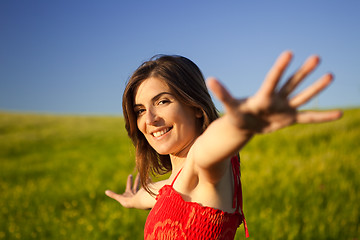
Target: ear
{"x": 198, "y": 113}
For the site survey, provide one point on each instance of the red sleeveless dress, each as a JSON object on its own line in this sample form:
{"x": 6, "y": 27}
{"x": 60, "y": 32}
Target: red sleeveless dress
{"x": 174, "y": 218}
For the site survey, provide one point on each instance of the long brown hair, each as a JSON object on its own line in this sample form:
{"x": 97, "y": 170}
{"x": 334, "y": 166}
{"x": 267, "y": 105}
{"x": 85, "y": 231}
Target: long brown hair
{"x": 186, "y": 81}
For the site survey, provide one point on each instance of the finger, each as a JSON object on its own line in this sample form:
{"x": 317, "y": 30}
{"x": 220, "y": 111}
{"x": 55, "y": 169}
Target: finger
{"x": 317, "y": 117}
{"x": 119, "y": 198}
{"x": 275, "y": 73}
{"x": 309, "y": 65}
{"x": 311, "y": 91}
{"x": 136, "y": 183}
{"x": 220, "y": 92}
{"x": 129, "y": 183}
{"x": 111, "y": 194}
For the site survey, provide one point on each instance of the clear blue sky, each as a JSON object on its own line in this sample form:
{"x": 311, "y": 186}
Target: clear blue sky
{"x": 76, "y": 56}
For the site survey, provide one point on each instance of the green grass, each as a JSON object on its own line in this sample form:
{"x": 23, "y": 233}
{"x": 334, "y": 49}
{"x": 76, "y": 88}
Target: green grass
{"x": 302, "y": 182}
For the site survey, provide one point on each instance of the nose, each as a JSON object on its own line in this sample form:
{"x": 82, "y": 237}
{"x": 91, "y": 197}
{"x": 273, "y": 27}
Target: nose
{"x": 151, "y": 117}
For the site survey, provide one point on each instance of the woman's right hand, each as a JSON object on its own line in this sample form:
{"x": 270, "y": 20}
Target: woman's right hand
{"x": 272, "y": 108}
{"x": 127, "y": 199}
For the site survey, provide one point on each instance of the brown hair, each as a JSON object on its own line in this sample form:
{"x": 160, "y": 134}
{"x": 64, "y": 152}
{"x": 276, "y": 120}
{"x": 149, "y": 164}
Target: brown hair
{"x": 186, "y": 81}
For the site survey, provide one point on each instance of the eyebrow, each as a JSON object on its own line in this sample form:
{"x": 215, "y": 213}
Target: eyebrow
{"x": 153, "y": 99}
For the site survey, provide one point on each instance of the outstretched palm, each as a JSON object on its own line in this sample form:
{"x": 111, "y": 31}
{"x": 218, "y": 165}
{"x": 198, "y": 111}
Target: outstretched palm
{"x": 125, "y": 199}
{"x": 270, "y": 108}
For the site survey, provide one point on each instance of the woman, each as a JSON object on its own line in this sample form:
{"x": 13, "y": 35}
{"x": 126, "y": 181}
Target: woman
{"x": 175, "y": 127}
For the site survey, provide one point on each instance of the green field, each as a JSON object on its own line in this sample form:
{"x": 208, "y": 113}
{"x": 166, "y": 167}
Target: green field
{"x": 302, "y": 182}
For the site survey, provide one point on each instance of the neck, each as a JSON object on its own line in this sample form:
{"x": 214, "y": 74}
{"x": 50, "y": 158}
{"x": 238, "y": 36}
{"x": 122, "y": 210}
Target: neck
{"x": 177, "y": 162}
{"x": 178, "y": 159}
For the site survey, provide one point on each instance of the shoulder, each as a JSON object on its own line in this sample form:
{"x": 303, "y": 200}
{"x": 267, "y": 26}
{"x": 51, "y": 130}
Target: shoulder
{"x": 195, "y": 176}
{"x": 209, "y": 173}
{"x": 201, "y": 186}
{"x": 146, "y": 200}
{"x": 156, "y": 186}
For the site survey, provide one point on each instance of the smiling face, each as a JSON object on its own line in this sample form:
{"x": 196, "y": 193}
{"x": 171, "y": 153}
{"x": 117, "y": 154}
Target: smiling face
{"x": 168, "y": 125}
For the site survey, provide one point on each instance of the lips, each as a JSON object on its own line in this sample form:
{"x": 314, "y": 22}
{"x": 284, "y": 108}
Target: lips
{"x": 161, "y": 132}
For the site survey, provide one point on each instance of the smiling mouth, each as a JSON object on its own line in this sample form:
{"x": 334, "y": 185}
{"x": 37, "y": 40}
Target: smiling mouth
{"x": 161, "y": 132}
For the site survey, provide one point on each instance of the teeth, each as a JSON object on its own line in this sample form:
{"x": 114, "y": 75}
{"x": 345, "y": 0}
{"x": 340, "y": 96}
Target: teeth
{"x": 160, "y": 133}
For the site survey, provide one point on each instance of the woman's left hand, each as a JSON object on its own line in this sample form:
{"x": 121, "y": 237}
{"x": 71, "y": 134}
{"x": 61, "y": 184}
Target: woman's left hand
{"x": 271, "y": 109}
{"x": 128, "y": 198}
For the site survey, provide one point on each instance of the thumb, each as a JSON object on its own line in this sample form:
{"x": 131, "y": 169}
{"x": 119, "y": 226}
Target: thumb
{"x": 119, "y": 198}
{"x": 115, "y": 196}
{"x": 110, "y": 194}
{"x": 220, "y": 92}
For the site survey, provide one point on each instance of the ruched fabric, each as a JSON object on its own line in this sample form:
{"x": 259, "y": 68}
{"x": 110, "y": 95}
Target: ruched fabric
{"x": 174, "y": 218}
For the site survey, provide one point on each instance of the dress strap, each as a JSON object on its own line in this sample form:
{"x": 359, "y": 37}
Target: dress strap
{"x": 237, "y": 199}
{"x": 176, "y": 177}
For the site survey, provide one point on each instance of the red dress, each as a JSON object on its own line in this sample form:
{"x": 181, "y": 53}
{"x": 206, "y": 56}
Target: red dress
{"x": 174, "y": 218}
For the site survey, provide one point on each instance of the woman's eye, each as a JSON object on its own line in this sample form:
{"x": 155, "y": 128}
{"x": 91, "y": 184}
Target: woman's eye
{"x": 163, "y": 101}
{"x": 139, "y": 112}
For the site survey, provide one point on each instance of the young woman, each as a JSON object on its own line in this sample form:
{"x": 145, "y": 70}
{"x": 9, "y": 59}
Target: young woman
{"x": 175, "y": 127}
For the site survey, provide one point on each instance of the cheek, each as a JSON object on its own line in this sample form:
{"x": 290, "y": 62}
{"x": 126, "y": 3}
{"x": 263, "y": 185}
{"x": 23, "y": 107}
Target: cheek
{"x": 188, "y": 118}
{"x": 140, "y": 125}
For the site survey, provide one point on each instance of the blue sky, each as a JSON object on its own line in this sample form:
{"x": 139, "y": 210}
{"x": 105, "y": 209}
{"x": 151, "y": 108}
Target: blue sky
{"x": 75, "y": 56}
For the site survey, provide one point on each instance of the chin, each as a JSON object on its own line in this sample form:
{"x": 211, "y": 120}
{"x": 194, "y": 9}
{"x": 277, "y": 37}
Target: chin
{"x": 162, "y": 152}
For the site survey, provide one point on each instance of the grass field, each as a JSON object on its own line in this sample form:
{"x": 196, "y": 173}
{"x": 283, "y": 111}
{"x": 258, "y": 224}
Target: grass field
{"x": 302, "y": 182}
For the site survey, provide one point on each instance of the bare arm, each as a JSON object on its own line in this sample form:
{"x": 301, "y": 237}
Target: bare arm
{"x": 133, "y": 197}
{"x": 268, "y": 110}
